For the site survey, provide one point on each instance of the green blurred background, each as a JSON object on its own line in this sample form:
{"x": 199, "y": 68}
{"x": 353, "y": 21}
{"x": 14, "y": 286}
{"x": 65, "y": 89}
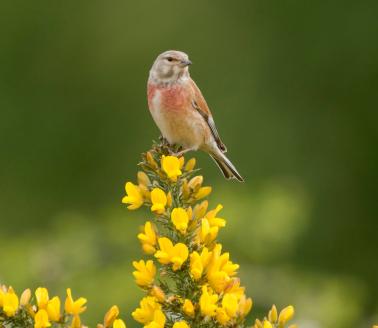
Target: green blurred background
{"x": 293, "y": 89}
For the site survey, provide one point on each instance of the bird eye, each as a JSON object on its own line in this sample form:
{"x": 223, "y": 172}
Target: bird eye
{"x": 169, "y": 59}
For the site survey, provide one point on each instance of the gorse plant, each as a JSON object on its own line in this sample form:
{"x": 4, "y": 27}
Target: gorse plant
{"x": 189, "y": 280}
{"x": 41, "y": 311}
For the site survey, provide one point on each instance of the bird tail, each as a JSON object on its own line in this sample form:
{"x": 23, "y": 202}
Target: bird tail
{"x": 228, "y": 169}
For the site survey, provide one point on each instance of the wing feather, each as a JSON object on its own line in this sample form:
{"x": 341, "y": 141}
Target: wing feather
{"x": 199, "y": 104}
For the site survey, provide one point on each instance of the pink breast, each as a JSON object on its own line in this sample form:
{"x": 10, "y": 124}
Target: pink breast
{"x": 175, "y": 98}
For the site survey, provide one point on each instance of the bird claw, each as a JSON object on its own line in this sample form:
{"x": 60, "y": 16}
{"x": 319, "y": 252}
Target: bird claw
{"x": 182, "y": 152}
{"x": 173, "y": 150}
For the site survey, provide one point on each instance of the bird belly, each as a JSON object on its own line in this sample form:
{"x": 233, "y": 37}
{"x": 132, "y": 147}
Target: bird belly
{"x": 179, "y": 125}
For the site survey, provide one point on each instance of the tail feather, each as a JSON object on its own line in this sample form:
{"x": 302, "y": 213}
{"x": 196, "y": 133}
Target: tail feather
{"x": 228, "y": 169}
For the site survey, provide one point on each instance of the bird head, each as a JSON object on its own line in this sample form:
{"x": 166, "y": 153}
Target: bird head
{"x": 170, "y": 66}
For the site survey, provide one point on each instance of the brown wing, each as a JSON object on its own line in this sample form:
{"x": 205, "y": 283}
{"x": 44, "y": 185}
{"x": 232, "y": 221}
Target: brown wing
{"x": 200, "y": 105}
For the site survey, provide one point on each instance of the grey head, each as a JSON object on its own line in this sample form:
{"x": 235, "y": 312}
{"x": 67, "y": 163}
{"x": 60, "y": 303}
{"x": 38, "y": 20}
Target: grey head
{"x": 170, "y": 66}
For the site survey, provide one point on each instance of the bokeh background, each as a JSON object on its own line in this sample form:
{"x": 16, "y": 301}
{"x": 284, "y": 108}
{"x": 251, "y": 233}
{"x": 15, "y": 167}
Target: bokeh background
{"x": 293, "y": 89}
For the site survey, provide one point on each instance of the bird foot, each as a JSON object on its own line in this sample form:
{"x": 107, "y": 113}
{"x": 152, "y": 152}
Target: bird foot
{"x": 182, "y": 152}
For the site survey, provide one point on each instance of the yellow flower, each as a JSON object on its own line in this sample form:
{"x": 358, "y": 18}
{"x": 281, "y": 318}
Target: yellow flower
{"x": 220, "y": 269}
{"x": 199, "y": 262}
{"x": 180, "y": 219}
{"x": 221, "y": 316}
{"x": 145, "y": 274}
{"x": 207, "y": 233}
{"x": 168, "y": 253}
{"x": 230, "y": 304}
{"x": 171, "y": 166}
{"x": 208, "y": 302}
{"x": 190, "y": 164}
{"x": 202, "y": 192}
{"x": 42, "y": 296}
{"x": 164, "y": 254}
{"x": 159, "y": 201}
{"x": 119, "y": 324}
{"x": 134, "y": 196}
{"x": 213, "y": 220}
{"x": 145, "y": 313}
{"x": 245, "y": 305}
{"x": 41, "y": 319}
{"x": 74, "y": 307}
{"x": 25, "y": 297}
{"x": 10, "y": 302}
{"x": 286, "y": 314}
{"x": 148, "y": 238}
{"x": 158, "y": 320}
{"x": 53, "y": 309}
{"x": 110, "y": 316}
{"x": 76, "y": 322}
{"x": 181, "y": 324}
{"x": 267, "y": 324}
{"x": 179, "y": 255}
{"x": 188, "y": 308}
{"x": 233, "y": 287}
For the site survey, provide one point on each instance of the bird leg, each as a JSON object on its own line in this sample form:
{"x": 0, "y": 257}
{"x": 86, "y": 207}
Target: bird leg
{"x": 183, "y": 151}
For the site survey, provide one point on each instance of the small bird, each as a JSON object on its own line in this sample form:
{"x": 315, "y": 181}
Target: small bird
{"x": 180, "y": 111}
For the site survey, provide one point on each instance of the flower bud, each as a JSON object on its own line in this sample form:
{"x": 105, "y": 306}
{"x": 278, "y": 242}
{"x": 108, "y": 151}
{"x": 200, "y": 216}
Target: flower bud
{"x": 286, "y": 314}
{"x": 190, "y": 164}
{"x": 185, "y": 189}
{"x": 188, "y": 308}
{"x": 76, "y": 322}
{"x": 169, "y": 199}
{"x": 245, "y": 305}
{"x": 200, "y": 210}
{"x": 181, "y": 161}
{"x": 151, "y": 161}
{"x": 158, "y": 293}
{"x": 110, "y": 316}
{"x": 272, "y": 316}
{"x": 202, "y": 193}
{"x": 143, "y": 179}
{"x": 196, "y": 182}
{"x": 189, "y": 211}
{"x": 25, "y": 297}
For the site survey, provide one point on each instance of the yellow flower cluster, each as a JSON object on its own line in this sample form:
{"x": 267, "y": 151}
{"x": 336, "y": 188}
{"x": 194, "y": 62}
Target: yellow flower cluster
{"x": 168, "y": 172}
{"x": 276, "y": 320}
{"x": 189, "y": 281}
{"x": 47, "y": 312}
{"x": 192, "y": 283}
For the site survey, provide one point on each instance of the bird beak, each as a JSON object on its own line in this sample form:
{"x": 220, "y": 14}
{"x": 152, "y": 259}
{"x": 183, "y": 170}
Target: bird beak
{"x": 186, "y": 62}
